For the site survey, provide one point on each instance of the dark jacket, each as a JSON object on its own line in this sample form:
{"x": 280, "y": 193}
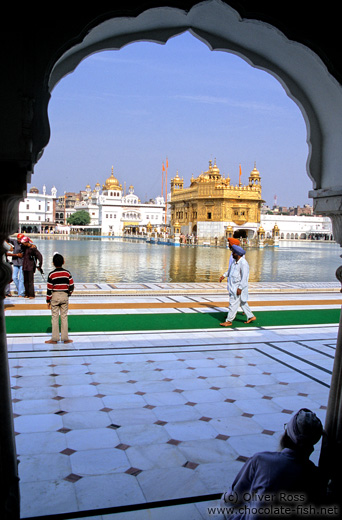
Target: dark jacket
{"x": 272, "y": 478}
{"x": 31, "y": 256}
{"x": 17, "y": 248}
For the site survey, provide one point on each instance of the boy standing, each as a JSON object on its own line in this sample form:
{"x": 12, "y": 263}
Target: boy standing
{"x": 60, "y": 286}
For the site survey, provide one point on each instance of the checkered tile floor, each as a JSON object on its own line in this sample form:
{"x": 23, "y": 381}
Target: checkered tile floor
{"x": 121, "y": 419}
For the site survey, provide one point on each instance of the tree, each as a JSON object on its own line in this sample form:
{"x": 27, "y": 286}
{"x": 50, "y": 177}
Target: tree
{"x": 80, "y": 218}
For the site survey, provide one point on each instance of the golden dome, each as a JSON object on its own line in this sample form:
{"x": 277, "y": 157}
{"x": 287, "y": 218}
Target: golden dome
{"x": 215, "y": 168}
{"x": 111, "y": 183}
{"x": 255, "y": 172}
{"x": 213, "y": 172}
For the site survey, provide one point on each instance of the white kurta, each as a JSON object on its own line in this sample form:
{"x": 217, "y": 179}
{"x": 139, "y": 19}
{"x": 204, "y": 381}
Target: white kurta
{"x": 237, "y": 275}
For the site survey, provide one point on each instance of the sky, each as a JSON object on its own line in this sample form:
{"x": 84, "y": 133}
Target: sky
{"x": 133, "y": 108}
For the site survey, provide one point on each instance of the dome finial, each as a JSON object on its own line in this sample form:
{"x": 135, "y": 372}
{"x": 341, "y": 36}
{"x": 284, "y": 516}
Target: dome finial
{"x": 111, "y": 182}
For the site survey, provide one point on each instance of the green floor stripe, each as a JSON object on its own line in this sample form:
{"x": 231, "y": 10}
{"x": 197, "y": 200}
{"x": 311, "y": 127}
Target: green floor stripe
{"x": 174, "y": 321}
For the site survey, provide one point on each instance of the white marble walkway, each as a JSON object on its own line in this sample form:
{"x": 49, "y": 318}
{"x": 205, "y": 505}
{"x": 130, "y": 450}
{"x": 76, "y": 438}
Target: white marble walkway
{"x": 115, "y": 420}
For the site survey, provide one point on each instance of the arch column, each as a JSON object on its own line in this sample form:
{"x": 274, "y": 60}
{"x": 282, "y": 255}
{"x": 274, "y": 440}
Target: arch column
{"x": 329, "y": 203}
{"x": 24, "y": 132}
{"x": 14, "y": 185}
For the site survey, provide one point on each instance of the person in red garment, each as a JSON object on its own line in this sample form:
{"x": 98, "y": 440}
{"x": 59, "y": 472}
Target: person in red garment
{"x": 30, "y": 259}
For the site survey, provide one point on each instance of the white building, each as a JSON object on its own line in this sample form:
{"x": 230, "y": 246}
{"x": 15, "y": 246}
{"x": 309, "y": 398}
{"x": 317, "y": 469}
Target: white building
{"x": 116, "y": 213}
{"x": 297, "y": 227}
{"x": 36, "y": 211}
{"x": 90, "y": 203}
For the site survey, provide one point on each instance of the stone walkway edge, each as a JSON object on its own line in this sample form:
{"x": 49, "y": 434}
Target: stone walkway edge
{"x": 185, "y": 288}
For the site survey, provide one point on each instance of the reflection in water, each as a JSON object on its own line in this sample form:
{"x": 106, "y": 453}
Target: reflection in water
{"x": 106, "y": 260}
{"x": 200, "y": 264}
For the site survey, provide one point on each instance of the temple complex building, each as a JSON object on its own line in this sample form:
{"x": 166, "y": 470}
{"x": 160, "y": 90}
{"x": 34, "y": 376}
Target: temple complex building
{"x": 116, "y": 213}
{"x": 293, "y": 227}
{"x": 213, "y": 207}
{"x": 36, "y": 213}
{"x": 208, "y": 212}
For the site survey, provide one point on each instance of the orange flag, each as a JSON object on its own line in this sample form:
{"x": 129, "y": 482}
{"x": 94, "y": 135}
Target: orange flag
{"x": 163, "y": 168}
{"x": 240, "y": 174}
{"x": 167, "y": 163}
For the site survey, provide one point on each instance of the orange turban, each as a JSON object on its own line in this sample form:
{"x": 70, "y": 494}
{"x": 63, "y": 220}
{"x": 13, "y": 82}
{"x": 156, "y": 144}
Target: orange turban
{"x": 234, "y": 241}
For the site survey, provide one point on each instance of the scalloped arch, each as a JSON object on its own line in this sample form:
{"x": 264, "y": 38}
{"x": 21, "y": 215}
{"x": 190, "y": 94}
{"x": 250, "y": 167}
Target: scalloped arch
{"x": 300, "y": 71}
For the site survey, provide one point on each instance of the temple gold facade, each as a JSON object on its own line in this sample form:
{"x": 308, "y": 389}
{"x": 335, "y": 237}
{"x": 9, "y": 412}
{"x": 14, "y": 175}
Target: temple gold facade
{"x": 213, "y": 207}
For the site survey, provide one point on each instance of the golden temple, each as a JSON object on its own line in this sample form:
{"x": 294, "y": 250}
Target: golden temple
{"x": 214, "y": 207}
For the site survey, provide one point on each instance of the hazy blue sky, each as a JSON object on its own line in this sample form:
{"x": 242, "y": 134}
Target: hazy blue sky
{"x": 132, "y": 108}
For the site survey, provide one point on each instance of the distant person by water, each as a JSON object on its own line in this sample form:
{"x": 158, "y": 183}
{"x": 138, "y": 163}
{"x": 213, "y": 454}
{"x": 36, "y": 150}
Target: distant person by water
{"x": 30, "y": 259}
{"x": 237, "y": 285}
{"x": 17, "y": 260}
{"x": 60, "y": 285}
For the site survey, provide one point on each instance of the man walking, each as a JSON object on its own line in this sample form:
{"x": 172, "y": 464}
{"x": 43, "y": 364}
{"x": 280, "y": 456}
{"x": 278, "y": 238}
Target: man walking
{"x": 237, "y": 286}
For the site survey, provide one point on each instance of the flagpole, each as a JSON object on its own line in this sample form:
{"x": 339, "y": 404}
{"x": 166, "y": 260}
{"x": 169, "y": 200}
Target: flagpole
{"x": 167, "y": 164}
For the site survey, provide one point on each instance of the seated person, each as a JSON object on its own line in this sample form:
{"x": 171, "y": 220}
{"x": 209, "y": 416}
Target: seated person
{"x": 287, "y": 478}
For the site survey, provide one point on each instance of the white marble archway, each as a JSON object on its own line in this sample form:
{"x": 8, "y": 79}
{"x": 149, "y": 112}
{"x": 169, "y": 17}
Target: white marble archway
{"x": 25, "y": 132}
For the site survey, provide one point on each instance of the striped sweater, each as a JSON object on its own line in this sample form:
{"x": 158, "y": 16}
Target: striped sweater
{"x": 59, "y": 279}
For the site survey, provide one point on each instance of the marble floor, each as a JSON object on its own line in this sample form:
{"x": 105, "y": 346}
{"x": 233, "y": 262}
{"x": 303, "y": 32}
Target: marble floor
{"x": 114, "y": 420}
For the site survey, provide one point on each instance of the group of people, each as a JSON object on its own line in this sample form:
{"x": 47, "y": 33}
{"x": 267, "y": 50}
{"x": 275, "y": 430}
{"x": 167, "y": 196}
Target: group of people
{"x": 25, "y": 259}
